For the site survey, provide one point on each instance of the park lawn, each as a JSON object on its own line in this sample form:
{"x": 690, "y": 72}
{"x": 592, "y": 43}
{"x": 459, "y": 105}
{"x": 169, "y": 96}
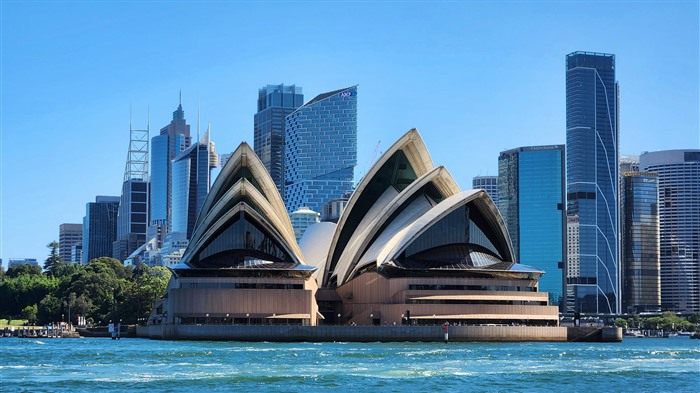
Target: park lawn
{"x": 14, "y": 322}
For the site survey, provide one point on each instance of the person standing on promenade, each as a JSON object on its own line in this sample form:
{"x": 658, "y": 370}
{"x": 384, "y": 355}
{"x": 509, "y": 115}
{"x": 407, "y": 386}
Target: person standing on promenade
{"x": 445, "y": 329}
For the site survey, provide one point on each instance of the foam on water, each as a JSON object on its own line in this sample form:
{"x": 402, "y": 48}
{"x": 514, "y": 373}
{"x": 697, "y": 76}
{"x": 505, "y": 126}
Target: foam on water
{"x": 88, "y": 365}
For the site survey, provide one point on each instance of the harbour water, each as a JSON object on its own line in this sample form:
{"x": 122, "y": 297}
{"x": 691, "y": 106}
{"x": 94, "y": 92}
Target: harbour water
{"x": 97, "y": 364}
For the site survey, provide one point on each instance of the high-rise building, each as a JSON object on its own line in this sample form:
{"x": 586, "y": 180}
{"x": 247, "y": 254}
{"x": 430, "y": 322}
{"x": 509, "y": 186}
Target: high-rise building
{"x": 679, "y": 225}
{"x": 191, "y": 181}
{"x": 320, "y": 150}
{"x": 275, "y": 102}
{"x": 100, "y": 227}
{"x": 629, "y": 163}
{"x": 301, "y": 219}
{"x": 641, "y": 278}
{"x": 68, "y": 236}
{"x": 592, "y": 154}
{"x": 173, "y": 140}
{"x": 76, "y": 253}
{"x": 334, "y": 208}
{"x": 132, "y": 219}
{"x": 531, "y": 201}
{"x": 488, "y": 184}
{"x": 21, "y": 261}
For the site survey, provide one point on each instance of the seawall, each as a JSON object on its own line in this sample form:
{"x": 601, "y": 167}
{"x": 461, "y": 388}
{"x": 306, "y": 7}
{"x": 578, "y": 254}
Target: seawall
{"x": 287, "y": 333}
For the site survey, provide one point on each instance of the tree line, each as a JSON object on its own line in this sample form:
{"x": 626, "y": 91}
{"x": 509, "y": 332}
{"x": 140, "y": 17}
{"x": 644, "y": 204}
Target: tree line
{"x": 102, "y": 290}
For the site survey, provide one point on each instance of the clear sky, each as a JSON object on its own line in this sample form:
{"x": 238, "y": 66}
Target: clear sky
{"x": 474, "y": 77}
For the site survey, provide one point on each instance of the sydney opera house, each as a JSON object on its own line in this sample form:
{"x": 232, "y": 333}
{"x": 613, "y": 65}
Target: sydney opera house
{"x": 410, "y": 248}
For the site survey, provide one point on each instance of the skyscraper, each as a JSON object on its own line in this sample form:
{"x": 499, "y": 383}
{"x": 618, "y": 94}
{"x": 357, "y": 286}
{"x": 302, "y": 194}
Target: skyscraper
{"x": 100, "y": 227}
{"x": 531, "y": 201}
{"x": 132, "y": 219}
{"x": 275, "y": 102}
{"x": 592, "y": 183}
{"x": 641, "y": 279}
{"x": 173, "y": 140}
{"x": 488, "y": 184}
{"x": 320, "y": 150}
{"x": 191, "y": 182}
{"x": 68, "y": 236}
{"x": 679, "y": 225}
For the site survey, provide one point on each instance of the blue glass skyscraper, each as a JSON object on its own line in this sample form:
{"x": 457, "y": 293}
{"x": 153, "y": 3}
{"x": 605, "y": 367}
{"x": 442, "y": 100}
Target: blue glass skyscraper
{"x": 173, "y": 139}
{"x": 191, "y": 182}
{"x": 641, "y": 279}
{"x": 320, "y": 150}
{"x": 531, "y": 201}
{"x": 592, "y": 154}
{"x": 275, "y": 102}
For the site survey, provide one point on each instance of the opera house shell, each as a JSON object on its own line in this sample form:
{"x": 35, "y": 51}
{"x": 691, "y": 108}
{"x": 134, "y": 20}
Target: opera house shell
{"x": 410, "y": 248}
{"x": 243, "y": 264}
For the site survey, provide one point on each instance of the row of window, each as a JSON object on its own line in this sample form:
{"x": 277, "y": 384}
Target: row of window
{"x": 241, "y": 285}
{"x": 450, "y": 287}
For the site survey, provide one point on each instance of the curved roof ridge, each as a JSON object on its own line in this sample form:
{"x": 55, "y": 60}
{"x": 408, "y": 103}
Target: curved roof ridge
{"x": 413, "y": 147}
{"x": 244, "y": 156}
{"x": 404, "y": 238}
{"x": 252, "y": 215}
{"x": 361, "y": 241}
{"x": 241, "y": 188}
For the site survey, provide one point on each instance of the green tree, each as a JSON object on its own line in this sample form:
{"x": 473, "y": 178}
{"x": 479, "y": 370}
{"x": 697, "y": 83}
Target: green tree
{"x": 24, "y": 290}
{"x": 2, "y": 272}
{"x": 25, "y": 268}
{"x": 620, "y": 322}
{"x": 49, "y": 309}
{"x": 29, "y": 313}
{"x": 103, "y": 281}
{"x": 142, "y": 293}
{"x": 53, "y": 261}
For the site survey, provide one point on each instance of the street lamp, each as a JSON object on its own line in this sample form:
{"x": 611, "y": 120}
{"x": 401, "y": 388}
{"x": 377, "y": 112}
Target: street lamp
{"x": 226, "y": 318}
{"x": 248, "y": 316}
{"x": 338, "y": 319}
{"x": 206, "y": 320}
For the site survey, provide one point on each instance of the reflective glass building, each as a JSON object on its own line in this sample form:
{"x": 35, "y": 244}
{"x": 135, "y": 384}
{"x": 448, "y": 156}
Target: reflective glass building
{"x": 641, "y": 277}
{"x": 173, "y": 139}
{"x": 100, "y": 227}
{"x": 275, "y": 102}
{"x": 592, "y": 152}
{"x": 191, "y": 181}
{"x": 320, "y": 150}
{"x": 679, "y": 225}
{"x": 531, "y": 200}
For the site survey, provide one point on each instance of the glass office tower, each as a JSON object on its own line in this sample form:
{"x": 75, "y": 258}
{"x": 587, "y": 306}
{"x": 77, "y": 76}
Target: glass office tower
{"x": 531, "y": 201}
{"x": 592, "y": 152}
{"x": 641, "y": 279}
{"x": 173, "y": 139}
{"x": 320, "y": 150}
{"x": 100, "y": 227}
{"x": 275, "y": 102}
{"x": 191, "y": 182}
{"x": 679, "y": 225}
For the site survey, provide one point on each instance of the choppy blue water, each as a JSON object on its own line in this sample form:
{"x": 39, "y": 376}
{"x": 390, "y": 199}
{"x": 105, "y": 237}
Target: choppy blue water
{"x": 82, "y": 365}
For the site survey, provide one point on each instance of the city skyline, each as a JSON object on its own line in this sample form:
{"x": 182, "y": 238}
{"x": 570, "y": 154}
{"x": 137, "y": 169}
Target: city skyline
{"x": 454, "y": 71}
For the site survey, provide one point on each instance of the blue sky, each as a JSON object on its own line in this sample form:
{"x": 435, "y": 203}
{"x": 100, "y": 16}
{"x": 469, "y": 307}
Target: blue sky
{"x": 474, "y": 77}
